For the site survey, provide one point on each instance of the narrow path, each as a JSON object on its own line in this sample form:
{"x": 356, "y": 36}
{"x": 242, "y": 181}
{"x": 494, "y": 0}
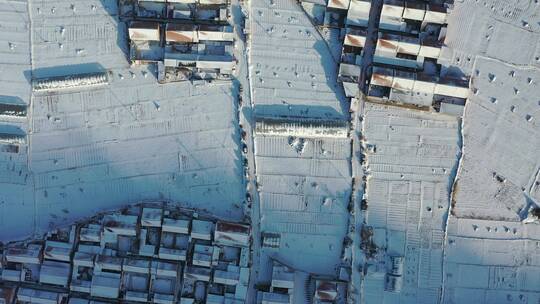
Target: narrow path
{"x": 247, "y": 120}
{"x": 358, "y": 217}
{"x": 371, "y": 42}
{"x": 450, "y": 207}
{"x": 31, "y": 120}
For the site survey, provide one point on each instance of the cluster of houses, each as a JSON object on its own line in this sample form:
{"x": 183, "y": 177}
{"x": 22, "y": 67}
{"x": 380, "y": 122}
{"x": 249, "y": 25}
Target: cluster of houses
{"x": 407, "y": 46}
{"x": 406, "y": 69}
{"x": 290, "y": 286}
{"x": 187, "y": 39}
{"x": 151, "y": 253}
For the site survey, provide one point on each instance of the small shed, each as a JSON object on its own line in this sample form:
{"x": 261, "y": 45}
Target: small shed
{"x": 151, "y": 217}
{"x": 38, "y": 296}
{"x": 30, "y": 254}
{"x": 144, "y": 31}
{"x": 392, "y": 8}
{"x": 202, "y": 229}
{"x": 55, "y": 273}
{"x": 105, "y": 285}
{"x": 414, "y": 10}
{"x": 227, "y": 233}
{"x": 175, "y": 225}
{"x": 181, "y": 33}
{"x": 326, "y": 290}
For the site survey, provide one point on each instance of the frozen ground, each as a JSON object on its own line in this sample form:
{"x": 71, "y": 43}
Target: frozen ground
{"x": 484, "y": 253}
{"x": 411, "y": 157}
{"x": 492, "y": 262}
{"x": 132, "y": 140}
{"x": 508, "y": 31}
{"x": 102, "y": 148}
{"x": 16, "y": 189}
{"x": 500, "y": 172}
{"x": 492, "y": 243}
{"x": 291, "y": 66}
{"x": 304, "y": 184}
{"x": 304, "y": 196}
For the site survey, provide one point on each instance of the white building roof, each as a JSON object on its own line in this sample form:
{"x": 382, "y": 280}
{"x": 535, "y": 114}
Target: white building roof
{"x": 282, "y": 276}
{"x": 120, "y": 224}
{"x": 227, "y": 277}
{"x": 275, "y": 298}
{"x": 136, "y": 265}
{"x": 164, "y": 268}
{"x": 90, "y": 235}
{"x": 37, "y": 296}
{"x": 197, "y": 273}
{"x": 233, "y": 234}
{"x": 172, "y": 254}
{"x": 176, "y": 226}
{"x": 59, "y": 251}
{"x": 201, "y": 229}
{"x": 151, "y": 217}
{"x": 12, "y": 275}
{"x": 30, "y": 254}
{"x": 144, "y": 31}
{"x": 309, "y": 128}
{"x": 105, "y": 285}
{"x": 56, "y": 273}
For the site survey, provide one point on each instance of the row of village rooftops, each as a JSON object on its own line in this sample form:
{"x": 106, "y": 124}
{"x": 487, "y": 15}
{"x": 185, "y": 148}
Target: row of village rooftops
{"x": 179, "y": 33}
{"x": 408, "y": 45}
{"x": 199, "y": 2}
{"x": 183, "y": 51}
{"x": 408, "y": 51}
{"x": 196, "y": 11}
{"x": 395, "y": 15}
{"x": 151, "y": 253}
{"x": 445, "y": 94}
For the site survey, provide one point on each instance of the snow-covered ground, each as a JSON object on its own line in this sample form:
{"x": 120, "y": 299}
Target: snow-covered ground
{"x": 492, "y": 262}
{"x": 501, "y": 163}
{"x": 291, "y": 65}
{"x": 304, "y": 197}
{"x": 492, "y": 244}
{"x": 304, "y": 184}
{"x": 105, "y": 147}
{"x": 91, "y": 149}
{"x": 505, "y": 30}
{"x": 137, "y": 141}
{"x": 16, "y": 188}
{"x": 411, "y": 158}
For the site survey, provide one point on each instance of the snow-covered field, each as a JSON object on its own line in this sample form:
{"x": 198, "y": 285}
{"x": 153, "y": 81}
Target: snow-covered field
{"x": 90, "y": 149}
{"x": 412, "y": 157}
{"x": 492, "y": 262}
{"x": 501, "y": 164}
{"x": 452, "y": 199}
{"x": 304, "y": 196}
{"x": 291, "y": 66}
{"x": 305, "y": 183}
